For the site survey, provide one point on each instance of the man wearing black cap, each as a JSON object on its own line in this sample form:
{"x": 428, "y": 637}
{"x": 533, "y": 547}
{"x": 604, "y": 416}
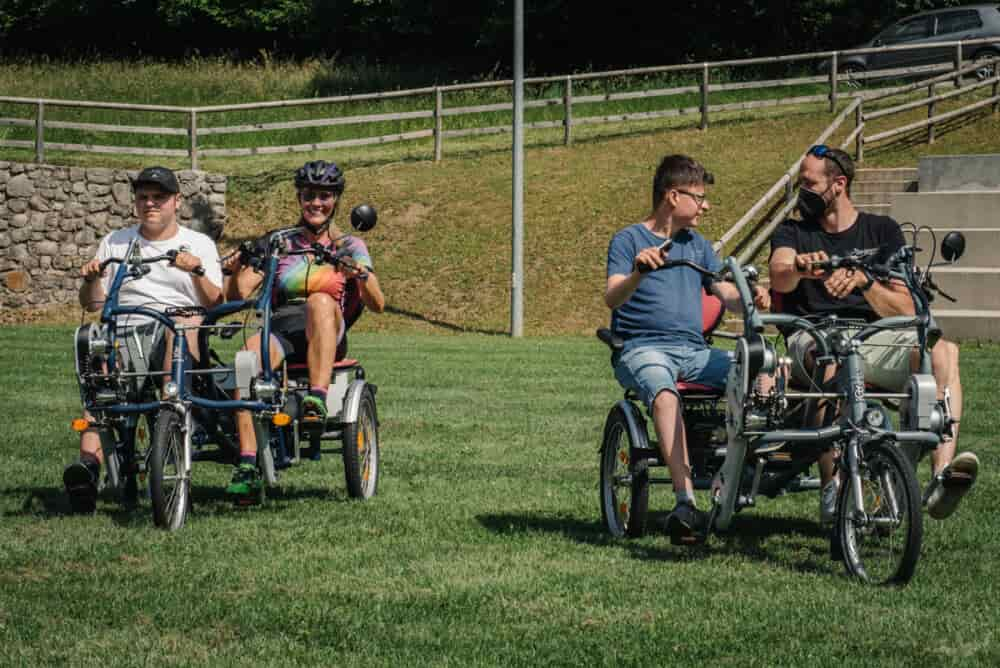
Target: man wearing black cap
{"x": 157, "y": 198}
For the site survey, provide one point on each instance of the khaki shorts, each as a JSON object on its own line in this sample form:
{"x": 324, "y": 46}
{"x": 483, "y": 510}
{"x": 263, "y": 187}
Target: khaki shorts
{"x": 887, "y": 357}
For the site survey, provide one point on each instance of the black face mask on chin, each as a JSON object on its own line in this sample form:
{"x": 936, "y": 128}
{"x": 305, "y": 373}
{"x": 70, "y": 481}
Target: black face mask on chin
{"x": 810, "y": 204}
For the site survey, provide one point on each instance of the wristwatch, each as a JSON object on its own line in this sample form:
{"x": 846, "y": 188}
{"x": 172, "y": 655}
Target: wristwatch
{"x": 871, "y": 281}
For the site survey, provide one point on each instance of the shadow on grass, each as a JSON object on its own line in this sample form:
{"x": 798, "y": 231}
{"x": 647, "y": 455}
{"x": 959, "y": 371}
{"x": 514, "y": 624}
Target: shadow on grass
{"x": 51, "y": 503}
{"x": 918, "y": 137}
{"x": 441, "y": 323}
{"x": 749, "y": 537}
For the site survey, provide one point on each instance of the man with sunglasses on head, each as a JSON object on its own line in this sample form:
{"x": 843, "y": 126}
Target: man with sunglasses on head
{"x": 831, "y": 225}
{"x": 314, "y": 303}
{"x": 179, "y": 284}
{"x": 659, "y": 316}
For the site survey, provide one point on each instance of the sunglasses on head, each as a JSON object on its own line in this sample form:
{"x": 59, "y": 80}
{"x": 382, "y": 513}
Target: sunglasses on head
{"x": 824, "y": 151}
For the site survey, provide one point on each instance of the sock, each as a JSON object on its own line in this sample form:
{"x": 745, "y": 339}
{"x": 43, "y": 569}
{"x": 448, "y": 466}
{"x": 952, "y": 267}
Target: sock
{"x": 248, "y": 459}
{"x": 316, "y": 391}
{"x": 684, "y": 496}
{"x": 92, "y": 463}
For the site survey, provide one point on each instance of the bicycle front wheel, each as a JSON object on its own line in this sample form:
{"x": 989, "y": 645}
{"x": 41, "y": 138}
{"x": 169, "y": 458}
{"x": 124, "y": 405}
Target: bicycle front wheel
{"x": 169, "y": 482}
{"x": 881, "y": 543}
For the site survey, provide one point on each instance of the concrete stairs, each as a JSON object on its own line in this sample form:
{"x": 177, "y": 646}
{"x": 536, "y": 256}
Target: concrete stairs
{"x": 946, "y": 199}
{"x": 872, "y": 189}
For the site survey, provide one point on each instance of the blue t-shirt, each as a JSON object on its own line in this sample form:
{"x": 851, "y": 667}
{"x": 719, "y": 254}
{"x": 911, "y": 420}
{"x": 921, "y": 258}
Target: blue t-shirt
{"x": 666, "y": 307}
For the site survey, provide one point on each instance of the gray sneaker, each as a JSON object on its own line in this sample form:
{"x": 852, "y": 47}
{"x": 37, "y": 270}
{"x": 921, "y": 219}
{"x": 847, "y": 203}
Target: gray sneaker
{"x": 952, "y": 484}
{"x": 828, "y": 502}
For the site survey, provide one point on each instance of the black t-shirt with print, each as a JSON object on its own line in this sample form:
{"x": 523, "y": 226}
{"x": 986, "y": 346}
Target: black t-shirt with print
{"x": 868, "y": 231}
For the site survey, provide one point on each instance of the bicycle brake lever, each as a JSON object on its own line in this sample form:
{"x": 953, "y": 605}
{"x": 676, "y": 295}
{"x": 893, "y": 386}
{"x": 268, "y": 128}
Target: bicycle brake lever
{"x": 933, "y": 286}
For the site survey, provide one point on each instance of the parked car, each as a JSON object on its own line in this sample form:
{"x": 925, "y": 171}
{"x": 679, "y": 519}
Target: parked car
{"x": 940, "y": 25}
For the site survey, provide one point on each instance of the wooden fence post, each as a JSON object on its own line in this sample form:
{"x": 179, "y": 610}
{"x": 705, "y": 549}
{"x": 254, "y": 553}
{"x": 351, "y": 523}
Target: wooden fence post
{"x": 40, "y": 133}
{"x": 958, "y": 64}
{"x": 859, "y": 141}
{"x": 930, "y": 114}
{"x": 568, "y": 112}
{"x": 438, "y": 122}
{"x": 833, "y": 82}
{"x": 193, "y": 139}
{"x": 704, "y": 96}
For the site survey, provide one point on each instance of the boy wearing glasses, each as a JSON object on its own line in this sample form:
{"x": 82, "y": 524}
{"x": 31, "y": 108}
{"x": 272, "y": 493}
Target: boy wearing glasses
{"x": 157, "y": 199}
{"x": 658, "y": 314}
{"x": 831, "y": 225}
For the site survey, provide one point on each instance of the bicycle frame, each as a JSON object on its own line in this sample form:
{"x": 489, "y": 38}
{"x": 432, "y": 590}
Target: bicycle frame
{"x": 852, "y": 429}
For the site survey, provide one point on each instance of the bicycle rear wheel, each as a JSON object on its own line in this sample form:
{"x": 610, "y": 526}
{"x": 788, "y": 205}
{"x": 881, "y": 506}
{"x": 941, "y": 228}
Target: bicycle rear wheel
{"x": 624, "y": 491}
{"x": 881, "y": 544}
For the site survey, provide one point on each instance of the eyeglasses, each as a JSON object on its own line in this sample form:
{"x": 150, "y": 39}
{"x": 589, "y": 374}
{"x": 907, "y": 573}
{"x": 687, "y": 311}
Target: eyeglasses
{"x": 700, "y": 198}
{"x": 824, "y": 151}
{"x": 310, "y": 195}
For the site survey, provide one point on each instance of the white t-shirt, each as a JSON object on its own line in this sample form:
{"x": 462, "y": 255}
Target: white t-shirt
{"x": 165, "y": 285}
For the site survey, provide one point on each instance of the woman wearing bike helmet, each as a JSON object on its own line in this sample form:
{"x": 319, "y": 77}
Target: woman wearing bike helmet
{"x": 310, "y": 302}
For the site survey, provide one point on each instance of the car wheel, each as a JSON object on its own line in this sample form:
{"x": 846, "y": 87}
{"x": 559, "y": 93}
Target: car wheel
{"x": 851, "y": 79}
{"x": 985, "y": 67}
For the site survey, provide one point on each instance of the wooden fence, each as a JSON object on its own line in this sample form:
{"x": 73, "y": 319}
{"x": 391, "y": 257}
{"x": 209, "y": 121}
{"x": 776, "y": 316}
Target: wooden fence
{"x": 196, "y": 126}
{"x": 747, "y": 239}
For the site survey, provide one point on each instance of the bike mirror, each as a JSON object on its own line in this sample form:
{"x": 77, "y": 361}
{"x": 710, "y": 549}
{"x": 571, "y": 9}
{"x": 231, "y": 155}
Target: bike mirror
{"x": 953, "y": 246}
{"x": 363, "y": 217}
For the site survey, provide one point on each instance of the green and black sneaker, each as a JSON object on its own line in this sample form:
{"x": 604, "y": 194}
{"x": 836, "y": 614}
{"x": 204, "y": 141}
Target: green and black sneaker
{"x": 246, "y": 488}
{"x": 313, "y": 410}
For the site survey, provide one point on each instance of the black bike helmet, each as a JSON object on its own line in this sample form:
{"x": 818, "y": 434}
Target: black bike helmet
{"x": 320, "y": 174}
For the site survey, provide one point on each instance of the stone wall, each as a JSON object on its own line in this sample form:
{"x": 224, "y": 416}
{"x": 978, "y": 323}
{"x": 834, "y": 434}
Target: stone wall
{"x": 52, "y": 218}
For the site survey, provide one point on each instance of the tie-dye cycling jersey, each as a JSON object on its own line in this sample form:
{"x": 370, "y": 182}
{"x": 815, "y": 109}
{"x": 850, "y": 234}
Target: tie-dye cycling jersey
{"x": 299, "y": 276}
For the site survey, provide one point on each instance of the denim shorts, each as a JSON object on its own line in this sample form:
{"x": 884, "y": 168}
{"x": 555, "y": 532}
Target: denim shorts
{"x": 654, "y": 368}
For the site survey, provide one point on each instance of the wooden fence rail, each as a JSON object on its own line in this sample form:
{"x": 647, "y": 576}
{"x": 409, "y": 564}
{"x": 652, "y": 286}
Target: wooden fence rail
{"x": 779, "y": 210}
{"x": 192, "y": 119}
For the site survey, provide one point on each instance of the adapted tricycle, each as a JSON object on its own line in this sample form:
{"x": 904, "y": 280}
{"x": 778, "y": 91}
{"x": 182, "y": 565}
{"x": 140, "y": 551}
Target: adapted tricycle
{"x": 746, "y": 442}
{"x": 146, "y": 436}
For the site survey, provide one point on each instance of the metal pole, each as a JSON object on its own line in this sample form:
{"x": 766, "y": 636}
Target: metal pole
{"x": 517, "y": 251}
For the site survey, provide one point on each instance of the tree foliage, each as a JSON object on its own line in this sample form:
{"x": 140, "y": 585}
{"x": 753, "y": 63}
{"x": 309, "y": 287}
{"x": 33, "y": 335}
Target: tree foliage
{"x": 474, "y": 35}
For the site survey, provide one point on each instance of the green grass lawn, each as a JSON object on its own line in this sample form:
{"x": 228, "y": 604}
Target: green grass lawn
{"x": 483, "y": 547}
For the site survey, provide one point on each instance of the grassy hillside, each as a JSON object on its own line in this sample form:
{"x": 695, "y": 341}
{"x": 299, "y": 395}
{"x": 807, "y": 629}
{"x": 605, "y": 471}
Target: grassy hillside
{"x": 443, "y": 244}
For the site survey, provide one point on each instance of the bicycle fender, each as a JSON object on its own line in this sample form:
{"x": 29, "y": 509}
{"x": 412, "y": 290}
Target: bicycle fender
{"x": 636, "y": 423}
{"x": 352, "y": 401}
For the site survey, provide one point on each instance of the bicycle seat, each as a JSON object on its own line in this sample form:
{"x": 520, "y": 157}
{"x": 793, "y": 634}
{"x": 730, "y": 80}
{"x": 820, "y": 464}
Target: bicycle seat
{"x": 684, "y": 388}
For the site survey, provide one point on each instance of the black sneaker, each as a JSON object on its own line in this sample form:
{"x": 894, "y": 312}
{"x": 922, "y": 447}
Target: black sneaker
{"x": 80, "y": 479}
{"x": 687, "y": 525}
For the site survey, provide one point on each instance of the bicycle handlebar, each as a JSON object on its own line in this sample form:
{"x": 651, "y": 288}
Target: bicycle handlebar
{"x": 170, "y": 256}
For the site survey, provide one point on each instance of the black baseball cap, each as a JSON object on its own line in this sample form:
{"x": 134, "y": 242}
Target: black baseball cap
{"x": 160, "y": 176}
